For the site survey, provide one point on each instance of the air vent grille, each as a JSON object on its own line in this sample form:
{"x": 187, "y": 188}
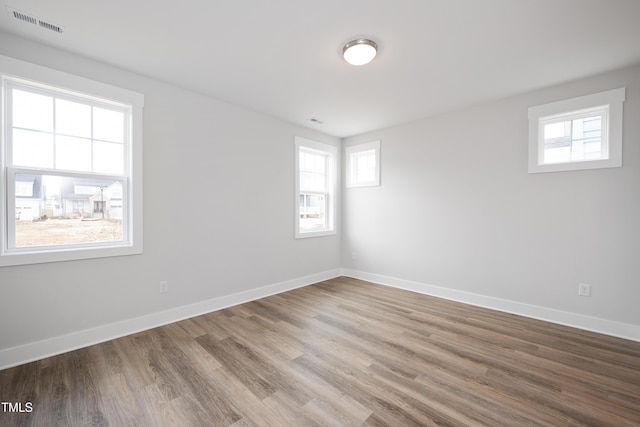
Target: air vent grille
{"x": 30, "y": 19}
{"x": 50, "y": 26}
{"x": 24, "y": 17}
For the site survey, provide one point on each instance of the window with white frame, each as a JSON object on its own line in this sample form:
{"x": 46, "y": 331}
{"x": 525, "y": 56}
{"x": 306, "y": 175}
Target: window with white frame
{"x": 71, "y": 161}
{"x": 363, "y": 165}
{"x": 577, "y": 133}
{"x": 315, "y": 188}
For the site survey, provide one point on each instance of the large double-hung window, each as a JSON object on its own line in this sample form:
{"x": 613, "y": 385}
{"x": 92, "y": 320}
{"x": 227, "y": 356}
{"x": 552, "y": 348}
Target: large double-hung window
{"x": 315, "y": 188}
{"x": 71, "y": 178}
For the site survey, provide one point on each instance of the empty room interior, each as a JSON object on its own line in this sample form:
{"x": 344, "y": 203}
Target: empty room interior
{"x": 340, "y": 213}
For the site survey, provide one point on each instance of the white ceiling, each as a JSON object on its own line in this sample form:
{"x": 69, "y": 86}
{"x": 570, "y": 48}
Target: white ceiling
{"x": 282, "y": 57}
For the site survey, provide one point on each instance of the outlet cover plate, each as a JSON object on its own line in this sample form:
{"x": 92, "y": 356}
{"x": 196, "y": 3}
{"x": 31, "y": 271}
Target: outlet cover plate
{"x": 164, "y": 287}
{"x": 584, "y": 290}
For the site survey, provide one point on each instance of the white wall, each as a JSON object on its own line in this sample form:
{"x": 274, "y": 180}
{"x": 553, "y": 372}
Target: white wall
{"x": 458, "y": 215}
{"x": 218, "y": 221}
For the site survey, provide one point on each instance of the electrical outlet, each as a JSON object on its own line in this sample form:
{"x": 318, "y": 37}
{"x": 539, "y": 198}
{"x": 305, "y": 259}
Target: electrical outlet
{"x": 584, "y": 290}
{"x": 164, "y": 287}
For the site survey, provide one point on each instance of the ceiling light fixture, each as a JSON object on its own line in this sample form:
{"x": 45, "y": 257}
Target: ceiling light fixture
{"x": 359, "y": 51}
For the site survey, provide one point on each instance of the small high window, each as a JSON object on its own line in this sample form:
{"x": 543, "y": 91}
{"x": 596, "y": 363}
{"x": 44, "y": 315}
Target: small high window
{"x": 363, "y": 165}
{"x": 577, "y": 133}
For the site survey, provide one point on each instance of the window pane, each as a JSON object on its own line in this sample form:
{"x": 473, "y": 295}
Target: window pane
{"x": 592, "y": 149}
{"x": 365, "y": 167}
{"x": 73, "y": 153}
{"x": 587, "y": 142}
{"x": 592, "y": 126}
{"x": 32, "y": 149}
{"x": 73, "y": 118}
{"x": 557, "y": 155}
{"x": 312, "y": 172}
{"x": 108, "y": 157}
{"x": 557, "y": 130}
{"x": 32, "y": 111}
{"x": 310, "y": 181}
{"x": 62, "y": 211}
{"x": 313, "y": 208}
{"x": 108, "y": 125}
{"x": 557, "y": 142}
{"x": 574, "y": 140}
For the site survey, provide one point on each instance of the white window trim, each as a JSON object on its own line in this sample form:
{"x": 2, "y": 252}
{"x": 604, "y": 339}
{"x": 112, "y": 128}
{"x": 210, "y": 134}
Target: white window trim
{"x": 353, "y": 150}
{"x": 17, "y": 70}
{"x": 612, "y": 131}
{"x": 332, "y": 164}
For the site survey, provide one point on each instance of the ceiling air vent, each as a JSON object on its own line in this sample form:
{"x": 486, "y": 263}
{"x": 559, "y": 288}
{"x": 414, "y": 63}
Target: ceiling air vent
{"x": 30, "y": 19}
{"x": 50, "y": 26}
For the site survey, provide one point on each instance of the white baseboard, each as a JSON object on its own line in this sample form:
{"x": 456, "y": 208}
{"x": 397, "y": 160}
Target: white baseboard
{"x": 580, "y": 321}
{"x": 61, "y": 344}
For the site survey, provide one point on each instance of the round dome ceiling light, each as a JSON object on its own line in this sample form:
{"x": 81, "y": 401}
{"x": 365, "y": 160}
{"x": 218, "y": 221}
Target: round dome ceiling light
{"x": 360, "y": 51}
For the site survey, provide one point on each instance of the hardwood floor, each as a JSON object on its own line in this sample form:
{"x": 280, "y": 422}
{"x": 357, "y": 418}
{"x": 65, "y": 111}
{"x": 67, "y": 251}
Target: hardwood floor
{"x": 339, "y": 353}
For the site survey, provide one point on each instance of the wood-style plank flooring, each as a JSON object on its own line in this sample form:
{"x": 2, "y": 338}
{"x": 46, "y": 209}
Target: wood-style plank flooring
{"x": 338, "y": 353}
